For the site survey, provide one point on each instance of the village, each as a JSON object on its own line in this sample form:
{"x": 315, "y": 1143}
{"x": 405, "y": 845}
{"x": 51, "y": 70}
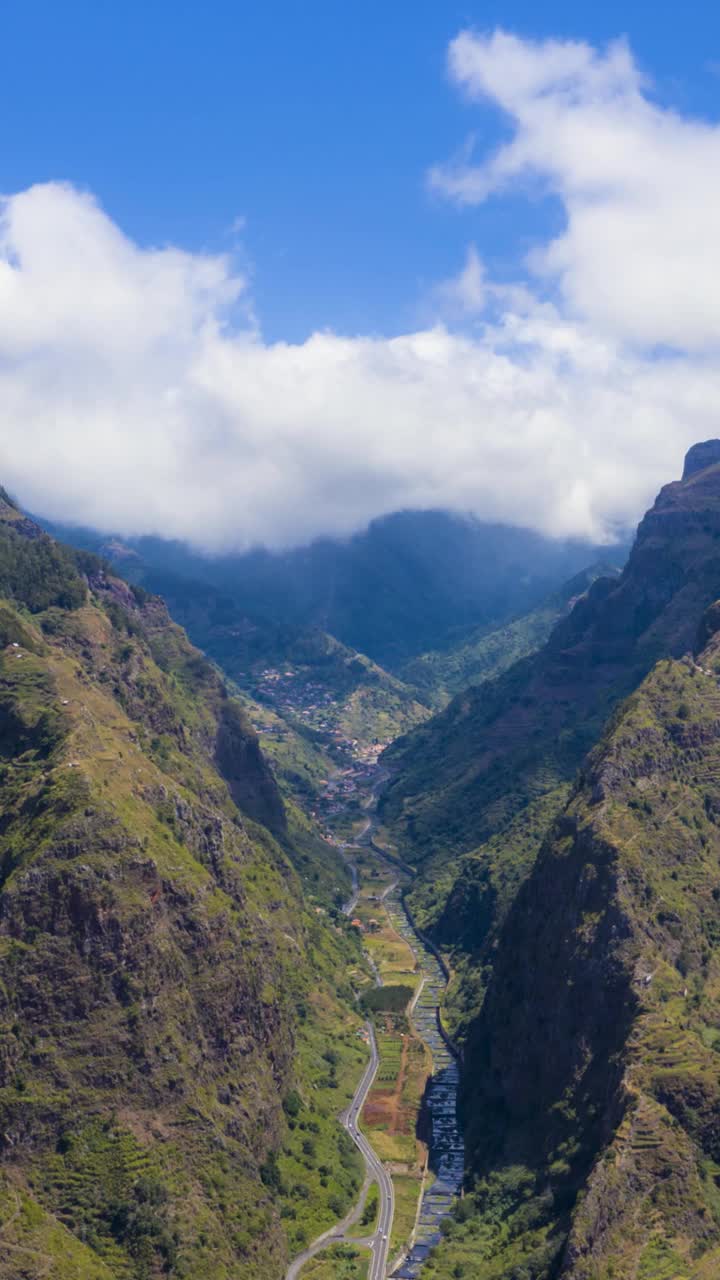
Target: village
{"x": 426, "y": 1185}
{"x": 295, "y": 697}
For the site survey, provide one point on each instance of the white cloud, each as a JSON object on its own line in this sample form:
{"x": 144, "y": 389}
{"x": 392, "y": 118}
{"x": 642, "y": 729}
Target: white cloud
{"x": 640, "y": 185}
{"x": 137, "y": 394}
{"x": 466, "y": 291}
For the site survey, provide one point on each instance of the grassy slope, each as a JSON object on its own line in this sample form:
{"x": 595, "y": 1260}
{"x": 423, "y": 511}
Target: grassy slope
{"x": 463, "y": 902}
{"x": 157, "y": 973}
{"x": 464, "y": 775}
{"x": 341, "y": 1262}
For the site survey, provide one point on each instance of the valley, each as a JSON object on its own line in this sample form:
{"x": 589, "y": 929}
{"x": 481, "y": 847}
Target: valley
{"x": 403, "y": 1116}
{"x": 290, "y": 903}
{"x": 359, "y": 642}
{"x": 408, "y": 1109}
{"x": 502, "y": 759}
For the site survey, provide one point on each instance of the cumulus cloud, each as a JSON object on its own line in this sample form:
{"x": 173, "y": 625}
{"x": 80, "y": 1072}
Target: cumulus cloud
{"x": 138, "y": 395}
{"x": 639, "y": 255}
{"x": 466, "y": 291}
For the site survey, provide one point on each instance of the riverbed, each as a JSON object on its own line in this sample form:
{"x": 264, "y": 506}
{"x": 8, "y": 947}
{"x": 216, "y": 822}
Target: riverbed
{"x": 446, "y": 1152}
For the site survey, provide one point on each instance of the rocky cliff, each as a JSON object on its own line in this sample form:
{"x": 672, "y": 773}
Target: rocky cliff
{"x": 158, "y": 973}
{"x": 592, "y": 1088}
{"x": 475, "y": 787}
{"x": 468, "y": 771}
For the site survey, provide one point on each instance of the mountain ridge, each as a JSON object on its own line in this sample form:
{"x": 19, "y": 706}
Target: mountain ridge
{"x": 405, "y": 585}
{"x": 477, "y": 763}
{"x": 591, "y": 1085}
{"x": 610, "y": 1107}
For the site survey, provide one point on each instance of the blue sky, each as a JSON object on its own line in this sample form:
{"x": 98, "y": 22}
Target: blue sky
{"x": 254, "y": 287}
{"x": 315, "y": 121}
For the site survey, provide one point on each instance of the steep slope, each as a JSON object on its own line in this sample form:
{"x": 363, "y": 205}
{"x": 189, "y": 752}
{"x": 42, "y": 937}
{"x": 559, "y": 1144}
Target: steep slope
{"x": 592, "y": 1089}
{"x": 463, "y": 902}
{"x": 268, "y": 659}
{"x": 464, "y": 775}
{"x": 163, "y": 997}
{"x": 484, "y": 654}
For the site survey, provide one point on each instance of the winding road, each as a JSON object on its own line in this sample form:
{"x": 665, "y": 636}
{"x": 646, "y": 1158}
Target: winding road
{"x": 447, "y": 1147}
{"x": 379, "y": 1242}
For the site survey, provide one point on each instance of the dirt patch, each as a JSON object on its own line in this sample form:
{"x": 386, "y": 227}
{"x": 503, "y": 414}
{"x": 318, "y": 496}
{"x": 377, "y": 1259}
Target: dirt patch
{"x": 384, "y": 1108}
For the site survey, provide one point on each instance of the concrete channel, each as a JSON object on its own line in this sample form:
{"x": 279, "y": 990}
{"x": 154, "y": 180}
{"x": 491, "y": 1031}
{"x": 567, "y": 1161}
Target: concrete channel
{"x": 446, "y": 1158}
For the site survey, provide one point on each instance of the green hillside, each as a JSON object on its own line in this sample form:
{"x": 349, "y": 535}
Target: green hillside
{"x": 296, "y": 670}
{"x": 467, "y": 776}
{"x": 166, "y": 1000}
{"x": 484, "y": 654}
{"x": 406, "y": 585}
{"x": 592, "y": 1083}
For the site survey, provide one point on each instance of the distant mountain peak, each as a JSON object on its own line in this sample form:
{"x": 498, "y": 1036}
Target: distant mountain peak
{"x": 700, "y": 456}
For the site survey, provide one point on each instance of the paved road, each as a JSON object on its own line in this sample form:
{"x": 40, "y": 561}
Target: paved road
{"x": 379, "y": 1241}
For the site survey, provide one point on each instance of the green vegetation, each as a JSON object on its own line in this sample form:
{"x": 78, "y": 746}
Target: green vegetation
{"x": 35, "y": 570}
{"x": 166, "y": 998}
{"x": 177, "y": 1027}
{"x": 463, "y": 903}
{"x": 33, "y": 1243}
{"x": 355, "y": 697}
{"x": 318, "y": 1174}
{"x": 408, "y": 1187}
{"x": 486, "y": 653}
{"x": 465, "y": 775}
{"x": 387, "y": 999}
{"x": 500, "y": 1232}
{"x": 410, "y": 583}
{"x": 475, "y": 789}
{"x": 613, "y": 1136}
{"x": 341, "y": 1262}
{"x": 368, "y": 1219}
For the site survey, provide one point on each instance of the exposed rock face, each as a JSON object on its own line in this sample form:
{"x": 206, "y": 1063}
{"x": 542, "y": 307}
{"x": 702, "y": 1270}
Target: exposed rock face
{"x": 468, "y": 771}
{"x": 594, "y": 1063}
{"x": 475, "y": 788}
{"x": 242, "y": 764}
{"x": 591, "y": 1001}
{"x": 700, "y": 456}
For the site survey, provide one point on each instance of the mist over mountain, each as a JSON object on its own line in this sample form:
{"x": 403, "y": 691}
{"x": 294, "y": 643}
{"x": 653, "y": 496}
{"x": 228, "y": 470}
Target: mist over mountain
{"x": 576, "y": 896}
{"x": 411, "y": 582}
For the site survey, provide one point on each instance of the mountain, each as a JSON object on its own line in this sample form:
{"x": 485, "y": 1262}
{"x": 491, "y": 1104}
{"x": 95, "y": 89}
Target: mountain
{"x": 404, "y": 586}
{"x": 166, "y": 993}
{"x": 592, "y": 1074}
{"x": 360, "y": 699}
{"x": 466, "y": 773}
{"x": 483, "y": 653}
